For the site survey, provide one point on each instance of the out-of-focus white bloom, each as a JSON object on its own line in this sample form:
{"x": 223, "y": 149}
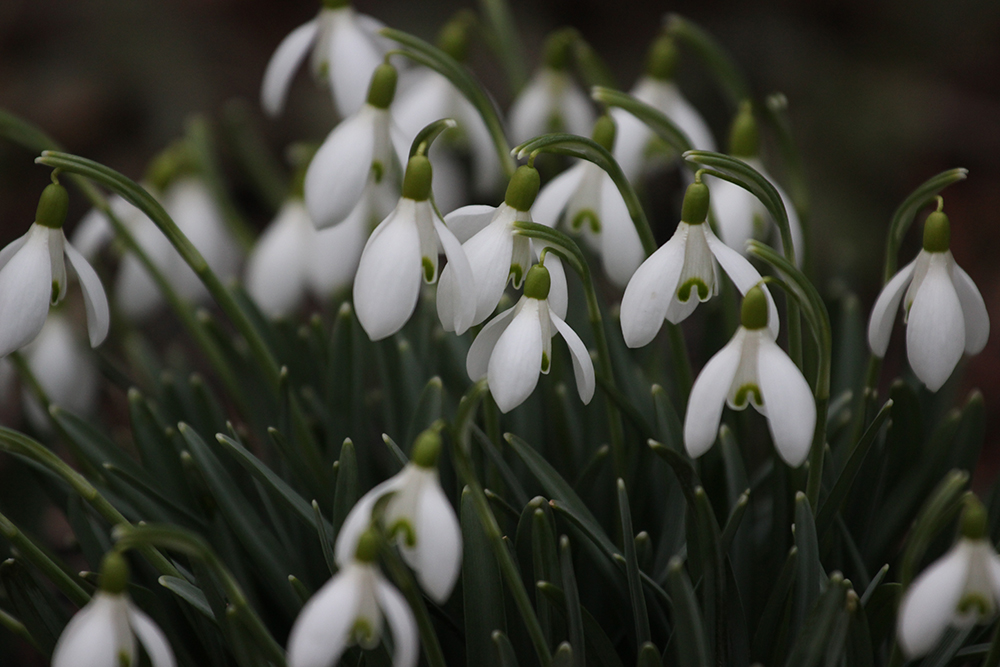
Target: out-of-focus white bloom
{"x": 943, "y": 310}
{"x": 752, "y": 369}
{"x": 33, "y": 275}
{"x": 277, "y": 271}
{"x": 517, "y": 344}
{"x": 682, "y": 273}
{"x": 346, "y": 49}
{"x": 65, "y": 371}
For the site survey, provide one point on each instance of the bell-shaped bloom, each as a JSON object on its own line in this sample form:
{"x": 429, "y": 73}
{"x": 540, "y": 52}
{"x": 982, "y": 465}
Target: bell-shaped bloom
{"x": 682, "y": 273}
{"x": 401, "y": 250}
{"x": 277, "y": 271}
{"x": 419, "y": 515}
{"x": 516, "y": 345}
{"x": 346, "y": 49}
{"x": 752, "y": 369}
{"x": 350, "y": 609}
{"x": 943, "y": 310}
{"x": 33, "y": 276}
{"x": 64, "y": 370}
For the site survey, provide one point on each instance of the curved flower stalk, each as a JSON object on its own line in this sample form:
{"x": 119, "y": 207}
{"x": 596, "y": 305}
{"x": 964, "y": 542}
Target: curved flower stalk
{"x": 104, "y": 632}
{"x": 351, "y": 609}
{"x": 960, "y": 589}
{"x": 552, "y": 101}
{"x": 636, "y": 142}
{"x": 33, "y": 276}
{"x": 346, "y": 49}
{"x": 517, "y": 344}
{"x": 401, "y": 250}
{"x": 752, "y": 369}
{"x": 418, "y": 515}
{"x": 589, "y": 200}
{"x": 943, "y": 310}
{"x": 682, "y": 273}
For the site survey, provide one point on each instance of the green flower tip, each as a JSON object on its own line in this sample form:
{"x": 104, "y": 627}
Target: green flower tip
{"x": 694, "y": 210}
{"x": 383, "y": 86}
{"x": 335, "y": 4}
{"x": 523, "y": 188}
{"x": 558, "y": 49}
{"x": 537, "y": 283}
{"x": 743, "y": 138}
{"x": 114, "y": 573}
{"x": 604, "y": 132}
{"x": 417, "y": 181}
{"x": 937, "y": 232}
{"x": 52, "y": 206}
{"x": 975, "y": 525}
{"x": 662, "y": 60}
{"x": 426, "y": 449}
{"x": 754, "y": 312}
{"x": 454, "y": 36}
{"x": 367, "y": 550}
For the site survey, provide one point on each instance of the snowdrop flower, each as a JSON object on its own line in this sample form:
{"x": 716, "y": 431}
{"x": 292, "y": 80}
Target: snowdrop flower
{"x": 552, "y": 101}
{"x": 674, "y": 279}
{"x": 362, "y": 155}
{"x": 346, "y": 48}
{"x": 277, "y": 271}
{"x": 103, "y": 633}
{"x": 33, "y": 275}
{"x": 350, "y": 609}
{"x": 517, "y": 344}
{"x": 960, "y": 589}
{"x": 419, "y": 515}
{"x": 942, "y": 309}
{"x": 752, "y": 369}
{"x": 657, "y": 89}
{"x": 65, "y": 371}
{"x": 403, "y": 248}
{"x": 590, "y": 201}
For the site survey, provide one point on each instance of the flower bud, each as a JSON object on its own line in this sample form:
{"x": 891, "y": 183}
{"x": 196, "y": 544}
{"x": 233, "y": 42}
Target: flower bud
{"x": 694, "y": 210}
{"x": 52, "y": 206}
{"x": 417, "y": 181}
{"x": 523, "y": 188}
{"x": 382, "y": 88}
{"x": 753, "y": 315}
{"x": 743, "y": 138}
{"x": 537, "y": 283}
{"x": 937, "y": 232}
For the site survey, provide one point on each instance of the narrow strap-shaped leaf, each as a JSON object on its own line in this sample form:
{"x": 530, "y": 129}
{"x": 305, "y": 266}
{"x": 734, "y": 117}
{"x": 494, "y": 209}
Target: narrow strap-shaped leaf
{"x": 768, "y": 631}
{"x": 545, "y": 562}
{"x": 574, "y": 614}
{"x": 506, "y": 41}
{"x": 809, "y": 576}
{"x": 941, "y": 506}
{"x": 326, "y": 539}
{"x": 668, "y": 424}
{"x": 601, "y": 647}
{"x": 346, "y": 493}
{"x": 505, "y": 652}
{"x": 639, "y": 614}
{"x": 398, "y": 455}
{"x": 712, "y": 55}
{"x": 188, "y": 592}
{"x": 482, "y": 591}
{"x": 38, "y": 608}
{"x": 714, "y": 574}
{"x": 427, "y": 409}
{"x": 691, "y": 637}
{"x": 819, "y": 633}
{"x": 511, "y": 481}
{"x": 736, "y": 474}
{"x": 734, "y": 519}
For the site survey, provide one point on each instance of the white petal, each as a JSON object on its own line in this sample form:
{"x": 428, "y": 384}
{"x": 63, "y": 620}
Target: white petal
{"x": 338, "y": 174}
{"x": 63, "y": 368}
{"x": 884, "y": 311}
{"x": 674, "y": 105}
{"x": 25, "y": 288}
{"x": 323, "y": 627}
{"x": 354, "y": 55}
{"x": 935, "y": 329}
{"x": 529, "y": 115}
{"x": 276, "y": 269}
{"x": 558, "y": 290}
{"x": 468, "y": 221}
{"x": 425, "y": 101}
{"x": 630, "y": 143}
{"x": 448, "y": 181}
{"x": 136, "y": 294}
{"x": 930, "y": 604}
{"x": 462, "y": 304}
{"x": 92, "y": 233}
{"x": 583, "y": 366}
{"x": 11, "y": 248}
{"x": 575, "y": 109}
{"x": 621, "y": 249}
{"x": 485, "y": 162}
{"x": 478, "y": 359}
{"x": 286, "y": 59}
{"x": 94, "y": 298}
{"x": 437, "y": 558}
{"x": 554, "y": 196}
{"x": 743, "y": 275}
{"x": 151, "y": 637}
{"x": 57, "y": 260}
{"x": 95, "y": 635}
{"x": 791, "y": 409}
{"x": 490, "y": 253}
{"x": 359, "y": 519}
{"x": 708, "y": 396}
{"x": 649, "y": 292}
{"x": 734, "y": 210}
{"x": 401, "y": 622}
{"x": 977, "y": 320}
{"x": 337, "y": 251}
{"x": 517, "y": 358}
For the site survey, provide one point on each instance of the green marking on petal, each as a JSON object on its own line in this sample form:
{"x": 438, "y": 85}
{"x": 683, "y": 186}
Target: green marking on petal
{"x": 516, "y": 274}
{"x": 54, "y": 299}
{"x": 363, "y": 633}
{"x": 324, "y": 69}
{"x": 684, "y": 292}
{"x": 586, "y": 217}
{"x": 973, "y": 602}
{"x": 545, "y": 363}
{"x": 428, "y": 269}
{"x": 378, "y": 170}
{"x": 743, "y": 395}
{"x": 402, "y": 527}
{"x": 124, "y": 659}
{"x": 759, "y": 225}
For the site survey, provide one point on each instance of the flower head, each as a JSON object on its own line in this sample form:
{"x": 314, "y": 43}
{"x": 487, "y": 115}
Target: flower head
{"x": 64, "y": 370}
{"x": 752, "y": 369}
{"x": 942, "y": 309}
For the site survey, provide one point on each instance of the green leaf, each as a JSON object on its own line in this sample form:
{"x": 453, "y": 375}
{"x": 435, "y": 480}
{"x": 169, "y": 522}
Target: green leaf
{"x": 56, "y": 572}
{"x": 691, "y": 642}
{"x": 810, "y": 577}
{"x": 601, "y": 648}
{"x": 941, "y": 506}
{"x": 824, "y": 630}
{"x": 427, "y": 409}
{"x": 574, "y": 614}
{"x": 483, "y": 601}
{"x": 346, "y": 494}
{"x": 639, "y": 614}
{"x": 188, "y": 592}
{"x": 36, "y": 607}
{"x": 505, "y": 652}
{"x": 505, "y": 40}
{"x": 971, "y": 433}
{"x": 769, "y": 631}
{"x": 668, "y": 425}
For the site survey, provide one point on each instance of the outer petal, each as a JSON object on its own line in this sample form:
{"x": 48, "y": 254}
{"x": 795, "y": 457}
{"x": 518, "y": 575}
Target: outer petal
{"x": 424, "y": 102}
{"x": 281, "y": 67}
{"x": 734, "y": 210}
{"x": 11, "y": 248}
{"x": 437, "y": 558}
{"x": 791, "y": 410}
{"x": 276, "y": 269}
{"x": 648, "y": 294}
{"x": 360, "y": 517}
{"x": 583, "y": 366}
{"x": 321, "y": 631}
{"x": 630, "y": 143}
{"x": 743, "y": 275}
{"x": 621, "y": 248}
{"x": 463, "y": 301}
{"x": 468, "y": 221}
{"x": 558, "y": 290}
{"x": 94, "y": 298}
{"x": 485, "y": 163}
{"x": 884, "y": 311}
{"x": 93, "y": 232}
{"x": 576, "y": 110}
{"x": 337, "y": 251}
{"x": 478, "y": 359}
{"x": 679, "y": 110}
{"x": 63, "y": 368}
{"x": 530, "y": 111}
{"x": 151, "y": 637}
{"x": 517, "y": 358}
{"x": 708, "y": 396}
{"x": 354, "y": 55}
{"x": 977, "y": 320}
{"x": 25, "y": 287}
{"x": 401, "y": 622}
{"x": 338, "y": 174}
{"x": 935, "y": 329}
{"x": 94, "y": 637}
{"x": 489, "y": 253}
{"x": 552, "y": 198}
{"x": 930, "y": 603}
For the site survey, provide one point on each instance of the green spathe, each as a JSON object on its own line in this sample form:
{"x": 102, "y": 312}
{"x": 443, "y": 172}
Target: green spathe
{"x": 537, "y": 282}
{"x": 937, "y": 232}
{"x": 975, "y": 522}
{"x": 426, "y": 449}
{"x": 382, "y": 89}
{"x": 523, "y": 188}
{"x": 694, "y": 210}
{"x": 604, "y": 132}
{"x": 744, "y": 141}
{"x": 114, "y": 573}
{"x": 417, "y": 181}
{"x": 662, "y": 60}
{"x": 52, "y": 206}
{"x": 558, "y": 49}
{"x": 367, "y": 550}
{"x": 753, "y": 315}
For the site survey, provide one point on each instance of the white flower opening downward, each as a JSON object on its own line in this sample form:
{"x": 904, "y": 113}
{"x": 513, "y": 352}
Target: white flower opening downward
{"x": 943, "y": 310}
{"x": 752, "y": 370}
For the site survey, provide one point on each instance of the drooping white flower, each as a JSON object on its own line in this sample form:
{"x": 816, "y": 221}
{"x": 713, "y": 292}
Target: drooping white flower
{"x": 346, "y": 49}
{"x": 351, "y": 609}
{"x": 657, "y": 89}
{"x": 277, "y": 270}
{"x": 516, "y": 345}
{"x": 403, "y": 248}
{"x": 960, "y": 589}
{"x": 943, "y": 310}
{"x": 33, "y": 275}
{"x": 674, "y": 279}
{"x": 589, "y": 200}
{"x": 63, "y": 369}
{"x": 104, "y": 632}
{"x": 419, "y": 515}
{"x": 752, "y": 369}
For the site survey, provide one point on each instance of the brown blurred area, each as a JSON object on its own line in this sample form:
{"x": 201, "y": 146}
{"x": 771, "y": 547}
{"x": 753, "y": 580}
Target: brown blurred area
{"x": 882, "y": 95}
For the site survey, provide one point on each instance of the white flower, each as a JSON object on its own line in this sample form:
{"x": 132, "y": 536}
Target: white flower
{"x": 346, "y": 48}
{"x": 752, "y": 369}
{"x": 419, "y": 512}
{"x": 942, "y": 309}
{"x": 517, "y": 344}
{"x": 674, "y": 279}
{"x": 65, "y": 371}
{"x": 33, "y": 275}
{"x": 277, "y": 271}
{"x": 403, "y": 248}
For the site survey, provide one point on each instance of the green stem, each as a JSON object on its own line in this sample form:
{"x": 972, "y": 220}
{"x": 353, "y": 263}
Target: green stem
{"x": 506, "y": 42}
{"x": 30, "y": 551}
{"x": 681, "y": 363}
